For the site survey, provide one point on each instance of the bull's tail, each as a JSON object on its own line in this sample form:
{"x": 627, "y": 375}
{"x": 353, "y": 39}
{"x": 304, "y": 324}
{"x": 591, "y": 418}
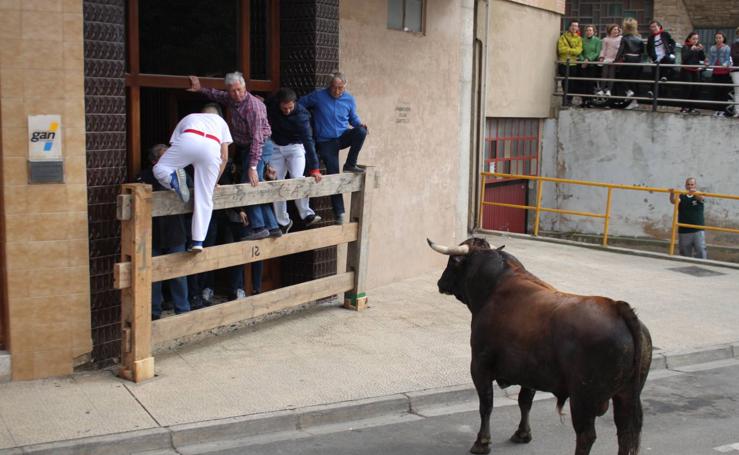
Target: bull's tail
{"x": 632, "y": 435}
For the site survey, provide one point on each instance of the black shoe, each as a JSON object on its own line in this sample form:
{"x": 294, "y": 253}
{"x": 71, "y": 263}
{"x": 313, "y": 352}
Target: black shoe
{"x": 355, "y": 169}
{"x": 257, "y": 235}
{"x": 196, "y": 302}
{"x": 310, "y": 220}
{"x": 276, "y": 232}
{"x": 155, "y": 317}
{"x": 286, "y": 228}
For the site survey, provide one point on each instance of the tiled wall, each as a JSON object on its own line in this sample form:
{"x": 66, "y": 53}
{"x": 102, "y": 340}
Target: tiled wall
{"x": 41, "y": 72}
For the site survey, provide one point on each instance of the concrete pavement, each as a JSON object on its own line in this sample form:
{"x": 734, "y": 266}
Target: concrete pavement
{"x": 282, "y": 374}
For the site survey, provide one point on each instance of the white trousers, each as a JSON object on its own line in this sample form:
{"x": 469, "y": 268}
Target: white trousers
{"x": 289, "y": 158}
{"x": 735, "y": 81}
{"x": 205, "y": 156}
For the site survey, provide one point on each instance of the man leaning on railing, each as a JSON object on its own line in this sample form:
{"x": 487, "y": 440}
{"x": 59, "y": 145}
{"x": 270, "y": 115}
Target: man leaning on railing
{"x": 691, "y": 241}
{"x": 569, "y": 48}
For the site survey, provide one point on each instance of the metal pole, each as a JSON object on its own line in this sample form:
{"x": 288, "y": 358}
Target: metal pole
{"x": 608, "y": 217}
{"x": 674, "y": 224}
{"x": 567, "y": 82}
{"x": 655, "y": 89}
{"x": 539, "y": 184}
{"x": 482, "y": 199}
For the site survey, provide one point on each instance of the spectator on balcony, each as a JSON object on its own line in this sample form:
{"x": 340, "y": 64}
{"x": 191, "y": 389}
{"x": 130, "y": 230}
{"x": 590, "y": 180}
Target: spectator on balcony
{"x": 719, "y": 57}
{"x": 569, "y": 48}
{"x": 692, "y": 54}
{"x": 168, "y": 235}
{"x": 591, "y": 47}
{"x": 735, "y": 72}
{"x": 608, "y": 52}
{"x": 691, "y": 241}
{"x": 253, "y": 145}
{"x": 661, "y": 48}
{"x": 334, "y": 110}
{"x": 631, "y": 50}
{"x": 293, "y": 146}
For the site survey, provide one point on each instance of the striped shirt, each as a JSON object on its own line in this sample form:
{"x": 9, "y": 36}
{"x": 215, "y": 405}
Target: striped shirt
{"x": 249, "y": 124}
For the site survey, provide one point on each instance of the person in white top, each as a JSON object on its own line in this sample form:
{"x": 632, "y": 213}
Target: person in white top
{"x": 608, "y": 55}
{"x": 201, "y": 140}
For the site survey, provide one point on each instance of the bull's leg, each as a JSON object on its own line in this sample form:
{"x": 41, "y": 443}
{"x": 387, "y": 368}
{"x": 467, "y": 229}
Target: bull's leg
{"x": 627, "y": 414}
{"x": 483, "y": 380}
{"x": 525, "y": 399}
{"x": 583, "y": 420}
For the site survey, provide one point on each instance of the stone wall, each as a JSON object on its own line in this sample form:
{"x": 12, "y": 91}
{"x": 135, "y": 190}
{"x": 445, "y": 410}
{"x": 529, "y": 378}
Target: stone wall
{"x": 639, "y": 148}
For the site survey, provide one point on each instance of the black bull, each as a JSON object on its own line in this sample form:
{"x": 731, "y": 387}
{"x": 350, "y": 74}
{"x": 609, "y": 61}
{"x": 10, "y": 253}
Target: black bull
{"x": 525, "y": 332}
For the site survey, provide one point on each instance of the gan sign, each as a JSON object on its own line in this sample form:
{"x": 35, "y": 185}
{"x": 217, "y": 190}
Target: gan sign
{"x": 45, "y": 159}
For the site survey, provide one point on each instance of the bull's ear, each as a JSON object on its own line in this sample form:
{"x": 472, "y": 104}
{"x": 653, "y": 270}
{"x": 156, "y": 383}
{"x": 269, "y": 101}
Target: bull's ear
{"x": 456, "y": 260}
{"x": 500, "y": 248}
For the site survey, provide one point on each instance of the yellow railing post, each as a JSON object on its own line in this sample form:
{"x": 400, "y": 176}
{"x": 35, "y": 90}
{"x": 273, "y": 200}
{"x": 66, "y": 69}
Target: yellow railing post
{"x": 539, "y": 184}
{"x": 608, "y": 216}
{"x": 674, "y": 223}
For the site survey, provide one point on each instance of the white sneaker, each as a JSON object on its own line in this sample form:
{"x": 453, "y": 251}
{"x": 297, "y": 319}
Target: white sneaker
{"x": 632, "y": 105}
{"x": 629, "y": 93}
{"x": 608, "y": 93}
{"x": 207, "y": 294}
{"x": 240, "y": 294}
{"x": 599, "y": 93}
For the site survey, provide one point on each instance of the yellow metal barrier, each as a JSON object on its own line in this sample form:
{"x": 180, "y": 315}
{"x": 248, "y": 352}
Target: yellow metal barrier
{"x": 609, "y": 197}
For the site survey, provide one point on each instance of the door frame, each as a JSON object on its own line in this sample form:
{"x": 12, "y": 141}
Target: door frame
{"x": 135, "y": 80}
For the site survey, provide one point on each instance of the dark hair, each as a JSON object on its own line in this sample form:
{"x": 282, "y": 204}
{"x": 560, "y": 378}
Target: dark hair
{"x": 594, "y": 27}
{"x": 285, "y": 95}
{"x": 610, "y": 28}
{"x": 155, "y": 152}
{"x": 719, "y": 33}
{"x": 691, "y": 34}
{"x": 214, "y": 106}
{"x": 656, "y": 22}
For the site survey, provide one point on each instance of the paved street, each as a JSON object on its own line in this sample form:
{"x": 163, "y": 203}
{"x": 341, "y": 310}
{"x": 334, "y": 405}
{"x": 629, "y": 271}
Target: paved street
{"x": 686, "y": 413}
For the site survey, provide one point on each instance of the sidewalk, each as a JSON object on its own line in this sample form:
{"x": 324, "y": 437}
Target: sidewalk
{"x": 411, "y": 339}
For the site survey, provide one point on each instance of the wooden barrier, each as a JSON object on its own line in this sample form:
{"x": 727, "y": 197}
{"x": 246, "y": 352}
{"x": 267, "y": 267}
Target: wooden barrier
{"x": 137, "y": 204}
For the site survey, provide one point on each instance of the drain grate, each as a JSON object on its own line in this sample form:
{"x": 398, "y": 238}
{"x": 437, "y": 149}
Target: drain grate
{"x": 696, "y": 271}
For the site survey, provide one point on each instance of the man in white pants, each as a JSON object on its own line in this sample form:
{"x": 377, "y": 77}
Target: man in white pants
{"x": 201, "y": 140}
{"x": 293, "y": 145}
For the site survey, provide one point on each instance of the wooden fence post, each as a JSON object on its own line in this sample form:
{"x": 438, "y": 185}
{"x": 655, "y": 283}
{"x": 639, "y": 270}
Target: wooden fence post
{"x": 137, "y": 364}
{"x": 361, "y": 212}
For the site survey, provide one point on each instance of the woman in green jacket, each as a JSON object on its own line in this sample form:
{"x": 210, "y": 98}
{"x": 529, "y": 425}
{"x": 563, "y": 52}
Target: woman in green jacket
{"x": 591, "y": 46}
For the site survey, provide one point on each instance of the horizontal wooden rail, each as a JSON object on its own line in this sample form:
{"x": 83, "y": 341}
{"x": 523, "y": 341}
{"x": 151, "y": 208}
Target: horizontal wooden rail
{"x": 227, "y": 196}
{"x": 221, "y": 315}
{"x": 218, "y": 257}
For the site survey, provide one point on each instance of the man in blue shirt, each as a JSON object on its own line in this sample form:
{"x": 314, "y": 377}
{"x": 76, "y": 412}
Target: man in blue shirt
{"x": 334, "y": 110}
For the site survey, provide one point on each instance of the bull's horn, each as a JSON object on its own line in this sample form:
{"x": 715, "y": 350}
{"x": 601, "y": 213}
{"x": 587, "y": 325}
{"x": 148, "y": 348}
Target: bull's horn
{"x": 456, "y": 251}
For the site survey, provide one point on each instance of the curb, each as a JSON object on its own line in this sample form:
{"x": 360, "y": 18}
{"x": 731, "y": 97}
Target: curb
{"x": 171, "y": 440}
{"x": 611, "y": 249}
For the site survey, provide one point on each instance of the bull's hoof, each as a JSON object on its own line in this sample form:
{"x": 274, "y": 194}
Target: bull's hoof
{"x": 521, "y": 437}
{"x": 480, "y": 448}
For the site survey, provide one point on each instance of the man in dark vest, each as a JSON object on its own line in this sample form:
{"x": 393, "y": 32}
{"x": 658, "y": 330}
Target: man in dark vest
{"x": 692, "y": 241}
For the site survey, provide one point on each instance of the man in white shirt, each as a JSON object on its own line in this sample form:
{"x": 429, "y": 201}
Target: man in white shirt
{"x": 201, "y": 140}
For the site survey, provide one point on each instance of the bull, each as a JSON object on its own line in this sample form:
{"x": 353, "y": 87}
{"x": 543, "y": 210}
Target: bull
{"x": 587, "y": 349}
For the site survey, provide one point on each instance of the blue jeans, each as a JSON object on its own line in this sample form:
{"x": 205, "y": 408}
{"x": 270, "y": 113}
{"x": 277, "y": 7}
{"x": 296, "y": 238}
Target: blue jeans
{"x": 177, "y": 287}
{"x": 261, "y": 216}
{"x": 329, "y": 153}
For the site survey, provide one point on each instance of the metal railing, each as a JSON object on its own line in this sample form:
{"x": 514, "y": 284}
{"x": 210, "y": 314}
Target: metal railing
{"x": 606, "y": 215}
{"x": 658, "y": 81}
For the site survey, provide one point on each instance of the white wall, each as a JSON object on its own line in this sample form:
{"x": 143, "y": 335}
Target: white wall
{"x": 639, "y": 148}
{"x": 418, "y": 149}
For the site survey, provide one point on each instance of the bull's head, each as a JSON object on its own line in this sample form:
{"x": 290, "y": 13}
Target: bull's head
{"x": 472, "y": 263}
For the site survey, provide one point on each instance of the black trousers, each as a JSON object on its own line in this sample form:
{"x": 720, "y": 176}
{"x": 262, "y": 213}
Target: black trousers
{"x": 568, "y": 86}
{"x": 691, "y": 92}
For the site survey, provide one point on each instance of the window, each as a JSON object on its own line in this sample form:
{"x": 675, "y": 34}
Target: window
{"x": 405, "y": 15}
{"x": 512, "y": 146}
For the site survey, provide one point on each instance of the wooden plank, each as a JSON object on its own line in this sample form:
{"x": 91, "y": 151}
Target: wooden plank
{"x": 361, "y": 213}
{"x": 226, "y": 196}
{"x": 123, "y": 207}
{"x": 136, "y": 360}
{"x": 185, "y": 324}
{"x": 221, "y": 256}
